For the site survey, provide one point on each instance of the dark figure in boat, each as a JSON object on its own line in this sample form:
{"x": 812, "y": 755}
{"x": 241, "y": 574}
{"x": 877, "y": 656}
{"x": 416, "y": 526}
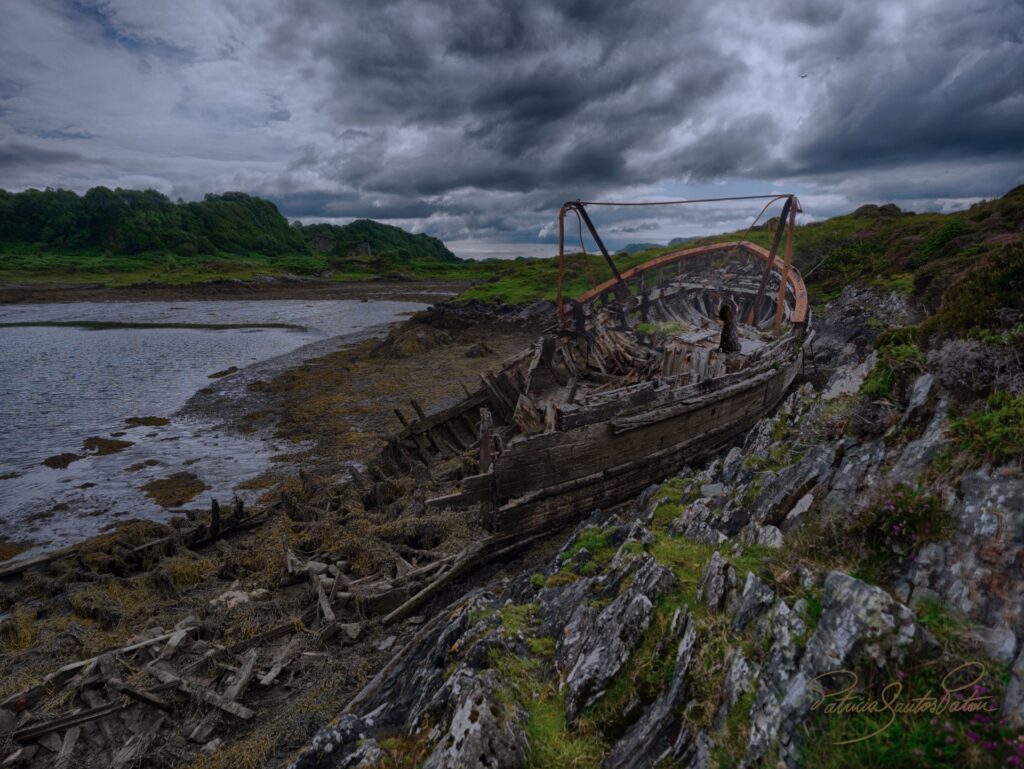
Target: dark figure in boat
{"x": 730, "y": 331}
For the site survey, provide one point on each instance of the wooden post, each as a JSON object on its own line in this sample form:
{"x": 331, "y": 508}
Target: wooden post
{"x": 486, "y": 436}
{"x": 781, "y": 304}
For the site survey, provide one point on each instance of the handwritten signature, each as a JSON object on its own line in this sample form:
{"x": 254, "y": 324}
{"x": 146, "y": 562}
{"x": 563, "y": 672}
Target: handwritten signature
{"x": 956, "y": 697}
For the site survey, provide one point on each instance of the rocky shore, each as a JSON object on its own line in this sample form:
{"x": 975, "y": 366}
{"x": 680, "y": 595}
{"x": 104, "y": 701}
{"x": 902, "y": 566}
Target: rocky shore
{"x": 706, "y": 623}
{"x": 714, "y": 620}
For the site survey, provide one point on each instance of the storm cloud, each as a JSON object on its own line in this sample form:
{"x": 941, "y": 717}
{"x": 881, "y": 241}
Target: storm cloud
{"x": 476, "y": 120}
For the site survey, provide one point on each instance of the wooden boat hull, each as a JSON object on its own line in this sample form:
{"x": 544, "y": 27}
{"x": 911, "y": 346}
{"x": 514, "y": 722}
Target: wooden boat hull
{"x": 571, "y": 473}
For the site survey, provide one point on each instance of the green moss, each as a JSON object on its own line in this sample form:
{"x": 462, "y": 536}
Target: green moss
{"x": 553, "y": 745}
{"x": 731, "y": 739}
{"x": 566, "y": 577}
{"x": 896, "y": 364}
{"x": 941, "y": 624}
{"x": 543, "y": 646}
{"x": 537, "y": 579}
{"x": 995, "y": 432}
{"x": 477, "y": 615}
{"x": 516, "y": 618}
{"x": 595, "y": 541}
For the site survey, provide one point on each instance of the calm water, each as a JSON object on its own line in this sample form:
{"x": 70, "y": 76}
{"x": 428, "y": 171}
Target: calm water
{"x": 60, "y": 385}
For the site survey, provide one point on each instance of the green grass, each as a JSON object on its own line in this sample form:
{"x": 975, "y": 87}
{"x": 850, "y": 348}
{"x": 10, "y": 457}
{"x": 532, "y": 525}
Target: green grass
{"x": 553, "y": 745}
{"x": 993, "y": 433}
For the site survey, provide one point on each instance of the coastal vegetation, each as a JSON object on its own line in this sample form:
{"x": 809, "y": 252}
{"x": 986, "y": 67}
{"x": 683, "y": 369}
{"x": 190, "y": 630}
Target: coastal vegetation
{"x": 125, "y": 237}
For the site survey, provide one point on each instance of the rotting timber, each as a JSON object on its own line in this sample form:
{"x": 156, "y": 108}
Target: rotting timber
{"x": 635, "y": 379}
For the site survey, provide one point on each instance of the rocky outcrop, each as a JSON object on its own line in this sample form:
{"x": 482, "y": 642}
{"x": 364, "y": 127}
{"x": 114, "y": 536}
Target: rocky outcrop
{"x": 750, "y": 649}
{"x": 595, "y": 645}
{"x": 657, "y": 735}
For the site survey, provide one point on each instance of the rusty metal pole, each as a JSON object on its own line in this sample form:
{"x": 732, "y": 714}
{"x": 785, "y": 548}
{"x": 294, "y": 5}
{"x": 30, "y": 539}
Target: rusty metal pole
{"x": 781, "y": 305}
{"x": 755, "y": 308}
{"x": 621, "y": 290}
{"x": 561, "y": 264}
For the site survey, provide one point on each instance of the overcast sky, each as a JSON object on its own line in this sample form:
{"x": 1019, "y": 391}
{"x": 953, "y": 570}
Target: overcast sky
{"x": 473, "y": 121}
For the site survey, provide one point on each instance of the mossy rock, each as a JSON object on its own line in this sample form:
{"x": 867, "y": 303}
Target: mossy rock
{"x": 103, "y": 446}
{"x": 61, "y": 461}
{"x": 147, "y": 421}
{"x": 174, "y": 490}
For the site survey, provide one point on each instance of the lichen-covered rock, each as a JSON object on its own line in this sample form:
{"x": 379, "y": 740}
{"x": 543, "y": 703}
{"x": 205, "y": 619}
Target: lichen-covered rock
{"x": 740, "y": 677}
{"x": 482, "y": 733}
{"x": 596, "y": 645}
{"x": 717, "y": 583}
{"x": 755, "y": 600}
{"x": 699, "y": 522}
{"x": 780, "y": 491}
{"x": 344, "y": 744}
{"x": 860, "y": 464}
{"x": 856, "y": 617}
{"x": 765, "y": 536}
{"x": 652, "y": 737}
{"x": 919, "y": 453}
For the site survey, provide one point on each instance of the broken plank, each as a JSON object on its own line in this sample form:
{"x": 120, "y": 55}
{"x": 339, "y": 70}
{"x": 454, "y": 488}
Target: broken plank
{"x": 203, "y": 694}
{"x": 325, "y": 605}
{"x": 280, "y": 661}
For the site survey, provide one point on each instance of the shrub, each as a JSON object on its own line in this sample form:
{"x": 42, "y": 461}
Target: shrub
{"x": 895, "y": 527}
{"x": 995, "y": 432}
{"x": 898, "y": 362}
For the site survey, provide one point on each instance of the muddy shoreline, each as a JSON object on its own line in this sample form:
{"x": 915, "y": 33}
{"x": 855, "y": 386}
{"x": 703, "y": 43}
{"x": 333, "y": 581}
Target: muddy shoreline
{"x": 425, "y": 291}
{"x": 330, "y": 413}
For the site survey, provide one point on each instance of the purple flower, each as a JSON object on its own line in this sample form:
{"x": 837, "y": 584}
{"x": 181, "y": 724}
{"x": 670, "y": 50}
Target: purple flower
{"x": 1013, "y": 761}
{"x": 973, "y": 736}
{"x": 988, "y": 745}
{"x": 901, "y": 674}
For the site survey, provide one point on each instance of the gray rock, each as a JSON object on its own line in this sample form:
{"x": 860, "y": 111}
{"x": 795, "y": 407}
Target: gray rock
{"x": 755, "y": 600}
{"x": 740, "y": 676}
{"x": 782, "y": 490}
{"x": 732, "y": 464}
{"x": 343, "y": 745}
{"x": 693, "y": 751}
{"x": 765, "y": 722}
{"x": 795, "y": 514}
{"x": 859, "y": 464}
{"x": 765, "y": 536}
{"x": 651, "y": 738}
{"x": 847, "y": 379}
{"x": 918, "y": 454}
{"x": 595, "y": 646}
{"x": 717, "y": 583}
{"x": 1013, "y": 701}
{"x": 699, "y": 522}
{"x": 857, "y": 618}
{"x": 917, "y": 403}
{"x": 1000, "y": 643}
{"x": 482, "y": 731}
{"x": 712, "y": 490}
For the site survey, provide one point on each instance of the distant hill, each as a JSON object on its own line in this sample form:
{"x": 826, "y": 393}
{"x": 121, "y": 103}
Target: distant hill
{"x": 634, "y": 248}
{"x": 366, "y": 240}
{"x": 126, "y": 222}
{"x": 142, "y": 235}
{"x": 683, "y": 241}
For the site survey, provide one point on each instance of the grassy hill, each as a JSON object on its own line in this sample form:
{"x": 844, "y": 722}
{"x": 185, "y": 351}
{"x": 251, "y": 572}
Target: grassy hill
{"x": 121, "y": 237}
{"x": 966, "y": 268}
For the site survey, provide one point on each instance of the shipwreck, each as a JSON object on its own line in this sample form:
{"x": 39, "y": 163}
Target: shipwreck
{"x": 655, "y": 367}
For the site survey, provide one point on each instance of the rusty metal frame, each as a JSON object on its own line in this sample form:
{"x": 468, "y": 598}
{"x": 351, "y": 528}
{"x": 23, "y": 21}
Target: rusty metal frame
{"x": 619, "y": 286}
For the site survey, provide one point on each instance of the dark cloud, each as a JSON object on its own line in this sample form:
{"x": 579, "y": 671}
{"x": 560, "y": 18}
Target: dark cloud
{"x": 25, "y": 156}
{"x": 476, "y": 120}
